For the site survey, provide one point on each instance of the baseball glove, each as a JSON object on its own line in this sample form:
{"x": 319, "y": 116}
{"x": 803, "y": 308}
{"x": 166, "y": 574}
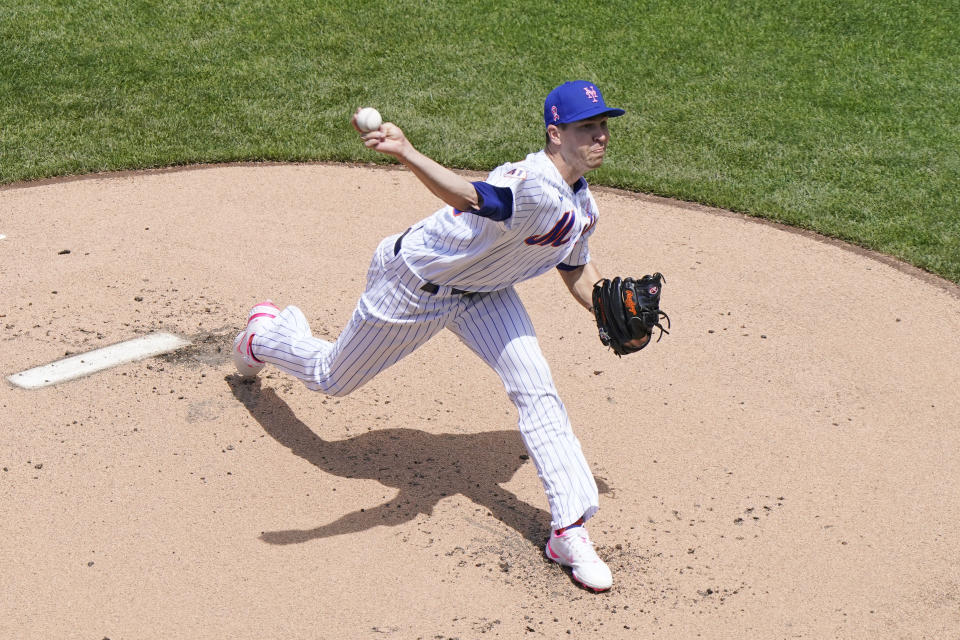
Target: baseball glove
{"x": 628, "y": 309}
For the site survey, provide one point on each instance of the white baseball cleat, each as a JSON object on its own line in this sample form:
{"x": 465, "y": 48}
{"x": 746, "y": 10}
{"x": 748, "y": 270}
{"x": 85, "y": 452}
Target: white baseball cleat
{"x": 573, "y": 548}
{"x": 243, "y": 359}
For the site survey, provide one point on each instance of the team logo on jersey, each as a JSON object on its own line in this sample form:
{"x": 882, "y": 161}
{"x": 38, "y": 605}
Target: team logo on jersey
{"x": 591, "y": 93}
{"x": 516, "y": 172}
{"x": 559, "y": 235}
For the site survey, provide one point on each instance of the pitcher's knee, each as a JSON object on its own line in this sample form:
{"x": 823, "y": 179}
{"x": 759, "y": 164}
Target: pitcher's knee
{"x": 534, "y": 400}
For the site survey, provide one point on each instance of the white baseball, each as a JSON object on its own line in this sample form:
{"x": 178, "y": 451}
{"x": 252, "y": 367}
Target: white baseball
{"x": 368, "y": 119}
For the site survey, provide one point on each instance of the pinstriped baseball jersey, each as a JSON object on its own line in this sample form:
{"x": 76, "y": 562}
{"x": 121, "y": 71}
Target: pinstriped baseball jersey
{"x": 548, "y": 224}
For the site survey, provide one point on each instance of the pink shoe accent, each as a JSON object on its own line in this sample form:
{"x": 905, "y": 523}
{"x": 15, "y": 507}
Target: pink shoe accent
{"x": 247, "y": 364}
{"x": 250, "y": 349}
{"x": 551, "y": 552}
{"x": 254, "y": 316}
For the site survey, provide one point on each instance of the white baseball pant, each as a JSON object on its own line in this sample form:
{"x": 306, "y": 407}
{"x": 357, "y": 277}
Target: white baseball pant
{"x": 394, "y": 316}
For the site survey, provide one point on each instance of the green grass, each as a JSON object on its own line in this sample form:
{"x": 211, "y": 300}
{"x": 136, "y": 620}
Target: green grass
{"x": 839, "y": 117}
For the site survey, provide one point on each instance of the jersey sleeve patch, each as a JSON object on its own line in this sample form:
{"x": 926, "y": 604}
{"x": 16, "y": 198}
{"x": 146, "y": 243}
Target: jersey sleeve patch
{"x": 496, "y": 203}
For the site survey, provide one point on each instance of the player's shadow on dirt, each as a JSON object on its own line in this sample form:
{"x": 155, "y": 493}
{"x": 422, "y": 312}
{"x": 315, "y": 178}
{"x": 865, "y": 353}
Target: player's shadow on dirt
{"x": 423, "y": 467}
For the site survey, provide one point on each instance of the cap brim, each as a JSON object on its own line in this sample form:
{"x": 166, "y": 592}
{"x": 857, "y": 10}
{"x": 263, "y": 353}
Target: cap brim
{"x": 589, "y": 113}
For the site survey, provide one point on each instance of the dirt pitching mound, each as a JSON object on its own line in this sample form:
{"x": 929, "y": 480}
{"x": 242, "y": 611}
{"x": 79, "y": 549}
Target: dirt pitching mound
{"x": 783, "y": 464}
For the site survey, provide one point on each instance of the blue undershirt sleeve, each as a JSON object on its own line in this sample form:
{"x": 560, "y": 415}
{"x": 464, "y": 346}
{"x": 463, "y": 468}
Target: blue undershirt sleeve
{"x": 496, "y": 203}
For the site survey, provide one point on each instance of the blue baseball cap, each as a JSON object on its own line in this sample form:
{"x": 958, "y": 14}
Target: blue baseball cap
{"x": 576, "y": 100}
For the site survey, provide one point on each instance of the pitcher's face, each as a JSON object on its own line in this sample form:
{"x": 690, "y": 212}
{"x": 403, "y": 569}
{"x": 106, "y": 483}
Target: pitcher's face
{"x": 584, "y": 143}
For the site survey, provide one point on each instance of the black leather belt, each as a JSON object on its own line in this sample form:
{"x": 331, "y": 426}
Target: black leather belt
{"x": 399, "y": 242}
{"x": 429, "y": 287}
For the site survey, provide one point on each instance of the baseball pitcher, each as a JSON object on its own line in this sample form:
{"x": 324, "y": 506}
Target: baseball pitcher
{"x": 456, "y": 270}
